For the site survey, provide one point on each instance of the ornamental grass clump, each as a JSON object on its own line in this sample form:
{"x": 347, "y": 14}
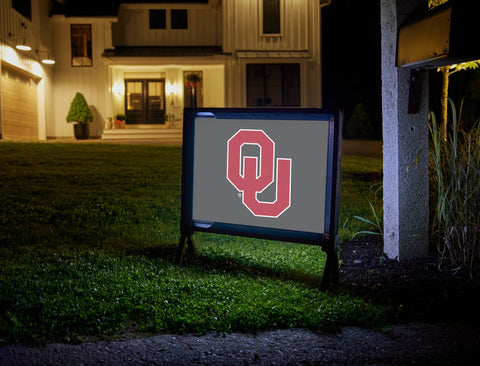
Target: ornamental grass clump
{"x": 455, "y": 184}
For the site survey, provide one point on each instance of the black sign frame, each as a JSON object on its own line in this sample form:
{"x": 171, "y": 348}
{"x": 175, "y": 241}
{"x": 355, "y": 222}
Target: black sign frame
{"x": 328, "y": 239}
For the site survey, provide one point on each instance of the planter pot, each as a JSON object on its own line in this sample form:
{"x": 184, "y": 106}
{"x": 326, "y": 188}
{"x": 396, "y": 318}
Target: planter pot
{"x": 81, "y": 131}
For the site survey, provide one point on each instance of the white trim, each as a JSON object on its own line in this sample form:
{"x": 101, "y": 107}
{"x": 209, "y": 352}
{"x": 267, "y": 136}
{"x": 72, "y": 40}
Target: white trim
{"x": 144, "y": 75}
{"x": 41, "y": 110}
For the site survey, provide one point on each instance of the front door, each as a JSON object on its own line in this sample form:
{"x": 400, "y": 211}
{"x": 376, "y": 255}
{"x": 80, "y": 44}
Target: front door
{"x": 145, "y": 101}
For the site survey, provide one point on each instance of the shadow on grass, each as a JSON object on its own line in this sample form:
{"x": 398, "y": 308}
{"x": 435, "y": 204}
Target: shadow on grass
{"x": 204, "y": 262}
{"x": 238, "y": 265}
{"x": 213, "y": 262}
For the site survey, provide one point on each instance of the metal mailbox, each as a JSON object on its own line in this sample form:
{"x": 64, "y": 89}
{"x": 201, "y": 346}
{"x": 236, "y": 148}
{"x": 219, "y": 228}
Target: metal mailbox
{"x": 442, "y": 36}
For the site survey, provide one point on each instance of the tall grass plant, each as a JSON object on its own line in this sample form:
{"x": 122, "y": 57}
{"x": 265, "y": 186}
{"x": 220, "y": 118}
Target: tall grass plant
{"x": 455, "y": 185}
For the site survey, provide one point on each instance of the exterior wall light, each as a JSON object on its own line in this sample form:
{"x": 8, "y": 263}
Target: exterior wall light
{"x": 118, "y": 89}
{"x": 45, "y": 60}
{"x": 21, "y": 45}
{"x": 172, "y": 88}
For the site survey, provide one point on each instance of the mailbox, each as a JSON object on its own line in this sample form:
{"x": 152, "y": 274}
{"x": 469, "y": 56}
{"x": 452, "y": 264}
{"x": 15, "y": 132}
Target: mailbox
{"x": 443, "y": 36}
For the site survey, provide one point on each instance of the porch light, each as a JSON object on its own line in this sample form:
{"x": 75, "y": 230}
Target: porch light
{"x": 48, "y": 61}
{"x": 118, "y": 88}
{"x": 172, "y": 88}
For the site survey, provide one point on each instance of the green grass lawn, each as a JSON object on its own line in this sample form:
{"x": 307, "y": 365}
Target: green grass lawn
{"x": 88, "y": 234}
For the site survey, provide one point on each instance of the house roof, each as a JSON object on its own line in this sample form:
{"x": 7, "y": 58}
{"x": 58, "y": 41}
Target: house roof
{"x": 88, "y": 8}
{"x": 164, "y": 51}
{"x": 274, "y": 54}
{"x": 85, "y": 8}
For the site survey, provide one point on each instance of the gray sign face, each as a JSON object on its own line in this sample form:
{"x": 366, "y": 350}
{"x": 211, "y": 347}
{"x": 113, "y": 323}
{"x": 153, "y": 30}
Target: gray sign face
{"x": 265, "y": 173}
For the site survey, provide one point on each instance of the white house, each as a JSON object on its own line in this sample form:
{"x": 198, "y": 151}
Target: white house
{"x": 147, "y": 60}
{"x": 26, "y": 85}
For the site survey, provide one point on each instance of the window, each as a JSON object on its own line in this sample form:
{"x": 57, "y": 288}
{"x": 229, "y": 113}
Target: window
{"x": 179, "y": 19}
{"x": 81, "y": 44}
{"x": 271, "y": 16}
{"x": 158, "y": 19}
{"x": 273, "y": 85}
{"x": 24, "y": 7}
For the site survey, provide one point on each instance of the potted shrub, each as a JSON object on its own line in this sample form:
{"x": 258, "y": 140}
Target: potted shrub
{"x": 81, "y": 115}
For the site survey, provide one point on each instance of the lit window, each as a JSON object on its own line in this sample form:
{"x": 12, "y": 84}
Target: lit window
{"x": 81, "y": 44}
{"x": 145, "y": 101}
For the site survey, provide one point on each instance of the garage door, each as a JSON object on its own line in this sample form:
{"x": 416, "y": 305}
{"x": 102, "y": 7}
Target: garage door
{"x": 18, "y": 93}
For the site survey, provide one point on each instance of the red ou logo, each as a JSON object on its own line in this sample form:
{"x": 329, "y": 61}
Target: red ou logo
{"x": 254, "y": 179}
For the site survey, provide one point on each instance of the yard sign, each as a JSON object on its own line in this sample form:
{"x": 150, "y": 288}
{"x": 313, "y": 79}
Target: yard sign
{"x": 264, "y": 173}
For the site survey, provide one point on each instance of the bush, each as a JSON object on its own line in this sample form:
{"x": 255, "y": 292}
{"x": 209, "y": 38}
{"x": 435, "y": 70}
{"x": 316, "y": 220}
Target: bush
{"x": 79, "y": 110}
{"x": 455, "y": 182}
{"x": 359, "y": 125}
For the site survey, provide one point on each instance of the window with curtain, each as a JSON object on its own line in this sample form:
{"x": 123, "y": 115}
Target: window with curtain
{"x": 81, "y": 41}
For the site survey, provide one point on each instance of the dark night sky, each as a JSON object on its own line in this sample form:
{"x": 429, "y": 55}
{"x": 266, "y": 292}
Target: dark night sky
{"x": 351, "y": 57}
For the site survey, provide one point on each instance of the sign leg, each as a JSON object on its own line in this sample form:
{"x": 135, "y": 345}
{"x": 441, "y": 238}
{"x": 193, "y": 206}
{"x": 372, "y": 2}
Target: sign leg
{"x": 185, "y": 246}
{"x": 331, "y": 272}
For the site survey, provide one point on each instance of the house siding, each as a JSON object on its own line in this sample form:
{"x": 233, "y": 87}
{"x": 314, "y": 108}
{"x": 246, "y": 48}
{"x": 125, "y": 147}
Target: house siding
{"x": 243, "y": 26}
{"x": 300, "y": 31}
{"x": 133, "y": 28}
{"x": 91, "y": 81}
